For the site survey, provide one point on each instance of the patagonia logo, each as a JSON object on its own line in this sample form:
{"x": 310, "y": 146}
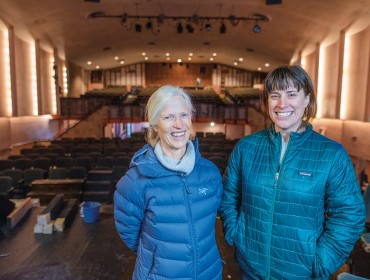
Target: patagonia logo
{"x": 305, "y": 173}
{"x": 203, "y": 191}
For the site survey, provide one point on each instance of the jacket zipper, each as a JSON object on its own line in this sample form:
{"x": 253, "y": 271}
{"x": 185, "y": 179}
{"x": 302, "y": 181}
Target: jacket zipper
{"x": 277, "y": 174}
{"x": 187, "y": 192}
{"x": 270, "y": 226}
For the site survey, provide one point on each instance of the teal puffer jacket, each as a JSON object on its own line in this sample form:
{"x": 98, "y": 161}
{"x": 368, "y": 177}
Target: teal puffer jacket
{"x": 168, "y": 218}
{"x": 297, "y": 220}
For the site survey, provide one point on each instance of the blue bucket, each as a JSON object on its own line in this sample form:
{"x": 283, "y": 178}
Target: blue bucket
{"x": 91, "y": 211}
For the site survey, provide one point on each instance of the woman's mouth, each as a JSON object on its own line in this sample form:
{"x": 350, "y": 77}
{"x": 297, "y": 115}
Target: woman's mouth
{"x": 178, "y": 134}
{"x": 283, "y": 114}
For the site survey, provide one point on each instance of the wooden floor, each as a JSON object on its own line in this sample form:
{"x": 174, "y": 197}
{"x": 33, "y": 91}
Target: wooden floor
{"x": 90, "y": 251}
{"x": 83, "y": 251}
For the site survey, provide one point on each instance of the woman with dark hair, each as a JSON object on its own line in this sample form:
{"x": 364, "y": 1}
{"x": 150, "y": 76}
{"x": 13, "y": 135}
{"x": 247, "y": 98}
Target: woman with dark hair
{"x": 166, "y": 204}
{"x": 292, "y": 205}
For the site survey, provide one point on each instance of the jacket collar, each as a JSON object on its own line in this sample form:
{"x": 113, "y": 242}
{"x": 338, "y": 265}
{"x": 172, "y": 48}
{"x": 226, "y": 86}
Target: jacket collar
{"x": 294, "y": 136}
{"x": 148, "y": 164}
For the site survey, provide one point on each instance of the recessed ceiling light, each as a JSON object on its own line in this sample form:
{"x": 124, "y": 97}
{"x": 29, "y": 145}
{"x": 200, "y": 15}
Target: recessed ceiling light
{"x": 235, "y": 63}
{"x": 167, "y": 54}
{"x": 179, "y": 60}
{"x": 267, "y": 64}
{"x": 89, "y": 63}
{"x": 168, "y": 58}
{"x": 122, "y": 62}
{"x": 191, "y": 54}
{"x": 259, "y": 69}
{"x": 97, "y": 67}
{"x": 241, "y": 59}
{"x": 116, "y": 58}
{"x": 211, "y": 59}
{"x": 214, "y": 54}
{"x": 189, "y": 58}
{"x": 146, "y": 58}
{"x": 143, "y": 54}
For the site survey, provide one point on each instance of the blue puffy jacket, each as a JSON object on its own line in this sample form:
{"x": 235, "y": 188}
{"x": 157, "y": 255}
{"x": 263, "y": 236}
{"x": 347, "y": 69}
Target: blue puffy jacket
{"x": 296, "y": 220}
{"x": 168, "y": 218}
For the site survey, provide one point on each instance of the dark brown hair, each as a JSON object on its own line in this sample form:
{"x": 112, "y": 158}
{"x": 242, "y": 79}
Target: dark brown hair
{"x": 291, "y": 75}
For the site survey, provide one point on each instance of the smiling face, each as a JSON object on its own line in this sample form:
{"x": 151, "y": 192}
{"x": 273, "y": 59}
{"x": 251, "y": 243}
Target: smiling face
{"x": 173, "y": 127}
{"x": 286, "y": 108}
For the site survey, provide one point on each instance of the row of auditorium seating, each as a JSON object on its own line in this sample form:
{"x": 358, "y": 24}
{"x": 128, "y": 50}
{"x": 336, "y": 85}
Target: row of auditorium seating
{"x": 75, "y": 157}
{"x": 87, "y": 161}
{"x": 17, "y": 183}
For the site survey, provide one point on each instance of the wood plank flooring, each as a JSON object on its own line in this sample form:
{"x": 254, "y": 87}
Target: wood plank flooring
{"x": 83, "y": 251}
{"x": 92, "y": 252}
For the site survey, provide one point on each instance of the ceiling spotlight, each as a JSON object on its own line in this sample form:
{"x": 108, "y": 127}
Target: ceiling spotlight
{"x": 161, "y": 18}
{"x": 179, "y": 28}
{"x": 149, "y": 25}
{"x": 208, "y": 27}
{"x": 124, "y": 18}
{"x": 256, "y": 28}
{"x": 138, "y": 27}
{"x": 189, "y": 28}
{"x": 223, "y": 28}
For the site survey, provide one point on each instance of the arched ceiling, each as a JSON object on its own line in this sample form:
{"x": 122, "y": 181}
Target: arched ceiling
{"x": 293, "y": 25}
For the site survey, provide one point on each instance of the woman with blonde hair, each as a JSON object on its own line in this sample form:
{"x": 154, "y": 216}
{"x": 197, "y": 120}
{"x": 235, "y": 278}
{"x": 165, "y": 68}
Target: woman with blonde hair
{"x": 166, "y": 204}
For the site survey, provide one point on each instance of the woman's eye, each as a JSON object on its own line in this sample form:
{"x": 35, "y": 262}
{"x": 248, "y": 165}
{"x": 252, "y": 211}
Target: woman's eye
{"x": 274, "y": 96}
{"x": 185, "y": 115}
{"x": 168, "y": 118}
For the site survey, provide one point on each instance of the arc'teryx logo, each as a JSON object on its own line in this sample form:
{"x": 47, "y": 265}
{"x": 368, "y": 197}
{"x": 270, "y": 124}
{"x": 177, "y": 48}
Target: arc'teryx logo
{"x": 203, "y": 191}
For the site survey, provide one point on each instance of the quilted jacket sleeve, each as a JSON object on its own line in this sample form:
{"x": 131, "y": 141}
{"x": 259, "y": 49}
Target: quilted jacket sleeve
{"x": 230, "y": 204}
{"x": 345, "y": 216}
{"x": 129, "y": 208}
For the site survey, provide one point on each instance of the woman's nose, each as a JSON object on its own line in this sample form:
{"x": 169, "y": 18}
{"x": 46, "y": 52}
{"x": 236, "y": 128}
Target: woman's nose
{"x": 178, "y": 123}
{"x": 281, "y": 101}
